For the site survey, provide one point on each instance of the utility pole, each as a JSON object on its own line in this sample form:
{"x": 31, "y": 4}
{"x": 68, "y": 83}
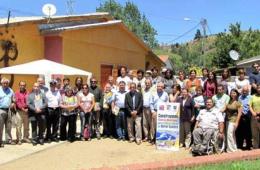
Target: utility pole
{"x": 70, "y": 7}
{"x": 203, "y": 23}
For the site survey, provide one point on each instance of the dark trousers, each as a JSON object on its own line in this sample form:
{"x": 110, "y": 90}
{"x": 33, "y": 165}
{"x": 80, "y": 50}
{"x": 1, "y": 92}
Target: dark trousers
{"x": 71, "y": 120}
{"x": 96, "y": 122}
{"x": 243, "y": 132}
{"x": 107, "y": 122}
{"x": 52, "y": 118}
{"x": 38, "y": 123}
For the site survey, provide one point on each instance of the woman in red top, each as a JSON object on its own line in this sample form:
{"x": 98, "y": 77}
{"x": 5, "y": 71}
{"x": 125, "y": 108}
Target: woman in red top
{"x": 210, "y": 86}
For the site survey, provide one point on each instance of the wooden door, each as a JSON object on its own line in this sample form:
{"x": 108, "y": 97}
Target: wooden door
{"x": 106, "y": 71}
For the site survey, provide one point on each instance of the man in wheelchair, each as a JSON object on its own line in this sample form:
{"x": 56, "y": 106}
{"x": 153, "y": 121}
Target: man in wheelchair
{"x": 209, "y": 128}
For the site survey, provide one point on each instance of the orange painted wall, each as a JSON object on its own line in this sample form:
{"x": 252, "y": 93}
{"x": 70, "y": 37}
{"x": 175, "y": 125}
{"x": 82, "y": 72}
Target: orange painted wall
{"x": 30, "y": 47}
{"x": 91, "y": 47}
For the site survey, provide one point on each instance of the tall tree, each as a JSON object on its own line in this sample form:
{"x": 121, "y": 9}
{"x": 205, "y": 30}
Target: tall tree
{"x": 132, "y": 18}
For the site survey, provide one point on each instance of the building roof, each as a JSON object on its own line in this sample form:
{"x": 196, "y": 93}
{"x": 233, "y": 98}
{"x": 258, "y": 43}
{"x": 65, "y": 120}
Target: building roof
{"x": 164, "y": 58}
{"x": 62, "y": 27}
{"x": 16, "y": 20}
{"x": 74, "y": 22}
{"x": 249, "y": 60}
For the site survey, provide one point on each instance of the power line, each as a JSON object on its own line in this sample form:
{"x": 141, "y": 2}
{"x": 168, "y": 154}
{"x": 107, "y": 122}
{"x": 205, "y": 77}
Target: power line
{"x": 185, "y": 33}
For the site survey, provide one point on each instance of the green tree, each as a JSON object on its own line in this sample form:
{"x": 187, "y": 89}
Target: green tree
{"x": 132, "y": 18}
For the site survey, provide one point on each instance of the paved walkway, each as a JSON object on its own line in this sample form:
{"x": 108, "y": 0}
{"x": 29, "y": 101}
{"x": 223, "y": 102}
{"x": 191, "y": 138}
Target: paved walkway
{"x": 82, "y": 155}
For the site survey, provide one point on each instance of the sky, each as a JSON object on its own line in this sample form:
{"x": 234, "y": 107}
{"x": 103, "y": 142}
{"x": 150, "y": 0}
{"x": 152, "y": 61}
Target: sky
{"x": 166, "y": 16}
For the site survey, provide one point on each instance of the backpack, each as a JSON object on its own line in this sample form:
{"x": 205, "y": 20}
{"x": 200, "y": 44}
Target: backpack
{"x": 86, "y": 132}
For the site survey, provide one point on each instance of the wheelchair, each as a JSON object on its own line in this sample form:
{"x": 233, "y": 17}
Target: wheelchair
{"x": 215, "y": 145}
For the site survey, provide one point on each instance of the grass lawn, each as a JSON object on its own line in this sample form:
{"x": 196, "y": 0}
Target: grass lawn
{"x": 236, "y": 165}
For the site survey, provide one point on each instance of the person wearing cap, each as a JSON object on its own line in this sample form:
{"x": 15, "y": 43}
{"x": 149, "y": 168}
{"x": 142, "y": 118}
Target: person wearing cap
{"x": 53, "y": 112}
{"x": 68, "y": 105}
{"x": 37, "y": 104}
{"x": 6, "y": 102}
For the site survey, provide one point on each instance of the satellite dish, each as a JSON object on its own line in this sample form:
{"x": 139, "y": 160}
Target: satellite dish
{"x": 49, "y": 10}
{"x": 234, "y": 54}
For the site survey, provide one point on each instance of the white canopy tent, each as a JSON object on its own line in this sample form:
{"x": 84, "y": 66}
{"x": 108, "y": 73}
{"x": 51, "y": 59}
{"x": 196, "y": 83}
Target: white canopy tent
{"x": 44, "y": 67}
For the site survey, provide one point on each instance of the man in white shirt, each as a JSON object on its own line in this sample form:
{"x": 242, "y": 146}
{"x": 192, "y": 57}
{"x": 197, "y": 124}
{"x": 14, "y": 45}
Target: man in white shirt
{"x": 53, "y": 115}
{"x": 210, "y": 122}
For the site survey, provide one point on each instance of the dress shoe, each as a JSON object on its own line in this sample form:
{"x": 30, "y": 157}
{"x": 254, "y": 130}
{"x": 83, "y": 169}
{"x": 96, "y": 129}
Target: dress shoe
{"x": 48, "y": 140}
{"x": 55, "y": 140}
{"x": 1, "y": 145}
{"x": 26, "y": 140}
{"x": 119, "y": 139}
{"x": 34, "y": 143}
{"x": 19, "y": 142}
{"x": 41, "y": 142}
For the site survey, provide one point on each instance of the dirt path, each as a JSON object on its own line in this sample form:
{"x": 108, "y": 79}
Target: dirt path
{"x": 94, "y": 154}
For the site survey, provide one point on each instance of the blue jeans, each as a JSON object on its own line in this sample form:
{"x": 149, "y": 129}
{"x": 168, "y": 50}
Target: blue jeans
{"x": 85, "y": 119}
{"x": 120, "y": 124}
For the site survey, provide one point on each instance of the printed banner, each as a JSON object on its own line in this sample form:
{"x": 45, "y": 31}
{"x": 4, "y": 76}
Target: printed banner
{"x": 168, "y": 125}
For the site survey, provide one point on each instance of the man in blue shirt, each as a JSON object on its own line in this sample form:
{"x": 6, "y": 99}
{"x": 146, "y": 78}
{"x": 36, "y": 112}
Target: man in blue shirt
{"x": 118, "y": 109}
{"x": 156, "y": 98}
{"x": 6, "y": 102}
{"x": 243, "y": 131}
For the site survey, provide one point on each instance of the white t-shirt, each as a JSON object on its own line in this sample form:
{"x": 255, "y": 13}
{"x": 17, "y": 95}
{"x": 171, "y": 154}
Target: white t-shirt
{"x": 125, "y": 79}
{"x": 86, "y": 99}
{"x": 53, "y": 98}
{"x": 240, "y": 84}
{"x": 209, "y": 118}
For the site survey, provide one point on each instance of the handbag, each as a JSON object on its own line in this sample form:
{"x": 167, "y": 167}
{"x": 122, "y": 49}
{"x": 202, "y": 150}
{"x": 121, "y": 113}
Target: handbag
{"x": 86, "y": 132}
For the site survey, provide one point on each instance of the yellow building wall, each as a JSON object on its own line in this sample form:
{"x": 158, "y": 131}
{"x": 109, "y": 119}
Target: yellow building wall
{"x": 89, "y": 48}
{"x": 30, "y": 46}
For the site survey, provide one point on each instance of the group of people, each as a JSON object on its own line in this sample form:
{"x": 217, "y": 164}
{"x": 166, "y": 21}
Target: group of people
{"x": 126, "y": 108}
